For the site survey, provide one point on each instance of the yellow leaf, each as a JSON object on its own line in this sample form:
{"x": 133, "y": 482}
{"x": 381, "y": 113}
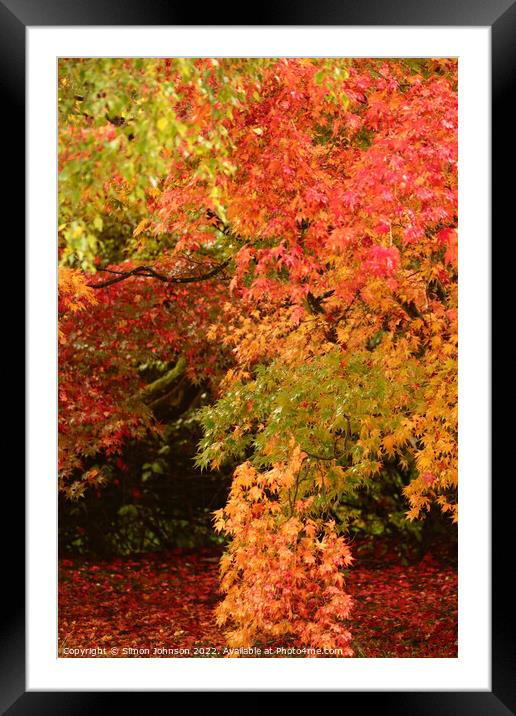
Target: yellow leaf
{"x": 388, "y": 444}
{"x": 141, "y": 227}
{"x": 255, "y": 493}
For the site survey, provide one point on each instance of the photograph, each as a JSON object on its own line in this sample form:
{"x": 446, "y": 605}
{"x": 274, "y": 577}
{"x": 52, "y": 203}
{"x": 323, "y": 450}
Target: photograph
{"x": 258, "y": 269}
{"x": 258, "y": 355}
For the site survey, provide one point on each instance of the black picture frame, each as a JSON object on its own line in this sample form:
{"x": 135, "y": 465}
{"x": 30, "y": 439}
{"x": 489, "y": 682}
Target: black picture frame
{"x": 500, "y": 16}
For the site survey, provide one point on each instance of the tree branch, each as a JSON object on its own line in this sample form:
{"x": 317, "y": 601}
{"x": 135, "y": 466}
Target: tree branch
{"x": 149, "y": 272}
{"x": 165, "y": 383}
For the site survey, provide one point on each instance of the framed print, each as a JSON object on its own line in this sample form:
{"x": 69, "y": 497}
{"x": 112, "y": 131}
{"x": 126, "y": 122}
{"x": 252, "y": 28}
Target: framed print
{"x": 334, "y": 129}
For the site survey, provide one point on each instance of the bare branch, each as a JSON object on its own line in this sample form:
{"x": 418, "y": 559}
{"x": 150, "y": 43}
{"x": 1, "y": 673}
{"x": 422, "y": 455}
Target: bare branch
{"x": 149, "y": 272}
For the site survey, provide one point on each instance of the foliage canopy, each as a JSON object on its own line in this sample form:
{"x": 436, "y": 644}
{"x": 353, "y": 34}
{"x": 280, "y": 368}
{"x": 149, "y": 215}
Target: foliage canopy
{"x": 284, "y": 231}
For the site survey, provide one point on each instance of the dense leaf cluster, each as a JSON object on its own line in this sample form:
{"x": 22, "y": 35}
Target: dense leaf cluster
{"x": 283, "y": 232}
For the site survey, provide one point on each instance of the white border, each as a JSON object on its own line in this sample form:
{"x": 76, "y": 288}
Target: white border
{"x": 471, "y": 670}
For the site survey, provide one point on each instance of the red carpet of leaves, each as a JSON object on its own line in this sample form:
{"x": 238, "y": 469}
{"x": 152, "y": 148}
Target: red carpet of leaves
{"x": 128, "y": 607}
{"x": 404, "y": 610}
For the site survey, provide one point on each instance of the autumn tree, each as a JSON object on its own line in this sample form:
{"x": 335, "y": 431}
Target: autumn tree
{"x": 306, "y": 211}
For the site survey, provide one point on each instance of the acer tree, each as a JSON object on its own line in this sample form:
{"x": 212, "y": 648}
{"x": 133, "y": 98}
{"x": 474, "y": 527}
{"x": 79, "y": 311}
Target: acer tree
{"x": 288, "y": 228}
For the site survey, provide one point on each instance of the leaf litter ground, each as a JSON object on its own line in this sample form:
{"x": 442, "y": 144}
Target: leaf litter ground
{"x": 145, "y": 606}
